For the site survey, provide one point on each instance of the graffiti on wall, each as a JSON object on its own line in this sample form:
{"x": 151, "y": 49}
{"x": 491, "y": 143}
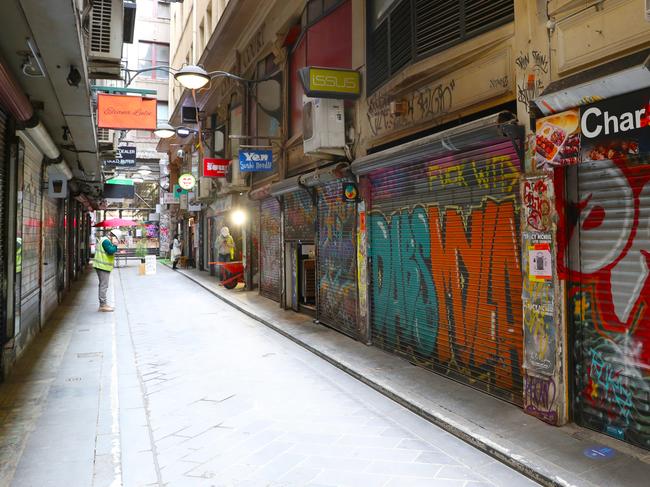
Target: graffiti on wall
{"x": 609, "y": 294}
{"x": 422, "y": 105}
{"x": 362, "y": 269}
{"x": 446, "y": 277}
{"x": 270, "y": 248}
{"x": 540, "y": 398}
{"x": 300, "y": 215}
{"x": 532, "y": 71}
{"x": 337, "y": 289}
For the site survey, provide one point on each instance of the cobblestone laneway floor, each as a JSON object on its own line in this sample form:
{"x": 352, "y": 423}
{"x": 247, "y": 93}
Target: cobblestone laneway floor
{"x": 176, "y": 388}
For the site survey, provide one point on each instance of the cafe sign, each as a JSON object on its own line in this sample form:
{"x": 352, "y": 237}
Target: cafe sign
{"x": 186, "y": 181}
{"x": 331, "y": 83}
{"x": 215, "y": 168}
{"x": 126, "y": 112}
{"x": 252, "y": 160}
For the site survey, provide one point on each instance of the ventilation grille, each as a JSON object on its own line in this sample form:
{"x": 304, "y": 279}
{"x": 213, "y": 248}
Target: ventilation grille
{"x": 436, "y": 28}
{"x": 415, "y": 29}
{"x": 482, "y": 15}
{"x": 378, "y": 70}
{"x": 401, "y": 39}
{"x": 100, "y": 26}
{"x": 104, "y": 135}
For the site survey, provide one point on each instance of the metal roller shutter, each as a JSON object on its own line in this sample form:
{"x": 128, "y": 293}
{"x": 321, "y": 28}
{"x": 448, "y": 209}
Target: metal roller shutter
{"x": 299, "y": 216}
{"x": 51, "y": 260}
{"x": 336, "y": 254}
{"x": 445, "y": 266}
{"x": 30, "y": 288}
{"x": 4, "y": 190}
{"x": 609, "y": 296}
{"x": 270, "y": 249}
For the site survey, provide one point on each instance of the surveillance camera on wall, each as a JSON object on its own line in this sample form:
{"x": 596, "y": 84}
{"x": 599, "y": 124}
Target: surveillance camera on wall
{"x": 180, "y": 153}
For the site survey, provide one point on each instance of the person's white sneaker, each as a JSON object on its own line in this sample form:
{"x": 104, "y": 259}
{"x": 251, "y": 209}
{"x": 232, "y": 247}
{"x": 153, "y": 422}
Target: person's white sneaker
{"x": 105, "y": 308}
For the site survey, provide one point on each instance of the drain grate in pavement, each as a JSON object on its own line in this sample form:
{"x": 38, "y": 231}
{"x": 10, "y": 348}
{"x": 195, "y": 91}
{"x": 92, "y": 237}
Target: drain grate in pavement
{"x": 89, "y": 354}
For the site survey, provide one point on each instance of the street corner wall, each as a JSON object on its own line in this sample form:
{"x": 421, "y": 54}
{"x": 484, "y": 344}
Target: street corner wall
{"x": 545, "y": 391}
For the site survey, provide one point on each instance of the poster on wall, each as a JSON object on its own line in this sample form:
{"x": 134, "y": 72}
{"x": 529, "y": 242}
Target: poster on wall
{"x": 557, "y": 140}
{"x": 540, "y": 262}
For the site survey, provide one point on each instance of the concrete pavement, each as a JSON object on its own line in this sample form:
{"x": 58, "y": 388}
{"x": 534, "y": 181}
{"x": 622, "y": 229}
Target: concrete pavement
{"x": 552, "y": 456}
{"x": 178, "y": 388}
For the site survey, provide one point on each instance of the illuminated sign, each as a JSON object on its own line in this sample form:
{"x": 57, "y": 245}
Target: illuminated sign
{"x": 331, "y": 83}
{"x": 186, "y": 181}
{"x": 215, "y": 168}
{"x": 124, "y": 112}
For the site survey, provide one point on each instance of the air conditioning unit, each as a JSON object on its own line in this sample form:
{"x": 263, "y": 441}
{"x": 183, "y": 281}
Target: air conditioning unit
{"x": 105, "y": 136}
{"x": 323, "y": 126}
{"x": 106, "y": 31}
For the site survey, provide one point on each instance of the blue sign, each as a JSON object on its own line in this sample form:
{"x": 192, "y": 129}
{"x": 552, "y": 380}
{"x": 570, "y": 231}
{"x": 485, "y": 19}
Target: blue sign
{"x": 251, "y": 160}
{"x": 599, "y": 452}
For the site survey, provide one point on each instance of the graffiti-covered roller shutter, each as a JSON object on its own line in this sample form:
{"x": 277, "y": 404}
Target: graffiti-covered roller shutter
{"x": 610, "y": 298}
{"x": 51, "y": 253}
{"x": 299, "y": 216}
{"x": 270, "y": 249}
{"x": 337, "y": 284}
{"x": 30, "y": 287}
{"x": 4, "y": 189}
{"x": 445, "y": 266}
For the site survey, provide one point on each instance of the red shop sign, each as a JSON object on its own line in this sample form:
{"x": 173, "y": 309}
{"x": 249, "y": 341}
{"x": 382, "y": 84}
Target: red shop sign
{"x": 215, "y": 168}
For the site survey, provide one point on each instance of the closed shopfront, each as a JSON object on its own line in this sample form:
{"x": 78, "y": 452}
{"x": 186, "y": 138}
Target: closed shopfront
{"x": 299, "y": 233}
{"x": 4, "y": 194}
{"x": 52, "y": 256}
{"x": 445, "y": 266}
{"x": 31, "y": 239}
{"x": 606, "y": 218}
{"x": 270, "y": 249}
{"x": 336, "y": 255}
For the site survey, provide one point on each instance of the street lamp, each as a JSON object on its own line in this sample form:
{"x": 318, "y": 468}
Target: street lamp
{"x": 164, "y": 131}
{"x": 192, "y": 77}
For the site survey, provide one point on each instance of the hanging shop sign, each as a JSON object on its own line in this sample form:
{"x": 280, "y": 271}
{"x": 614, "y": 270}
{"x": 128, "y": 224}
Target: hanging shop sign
{"x": 615, "y": 128}
{"x": 178, "y": 191}
{"x": 124, "y": 157}
{"x": 331, "y": 83}
{"x": 170, "y": 199}
{"x": 125, "y": 112}
{"x": 215, "y": 168}
{"x": 253, "y": 160}
{"x": 350, "y": 192}
{"x": 194, "y": 207}
{"x": 187, "y": 181}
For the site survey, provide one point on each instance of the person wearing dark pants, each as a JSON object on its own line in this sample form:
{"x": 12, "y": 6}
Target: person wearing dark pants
{"x": 103, "y": 262}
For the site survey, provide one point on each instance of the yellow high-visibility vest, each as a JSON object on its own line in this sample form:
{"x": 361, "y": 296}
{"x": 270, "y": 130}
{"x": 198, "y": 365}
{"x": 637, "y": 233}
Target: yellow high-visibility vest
{"x": 102, "y": 260}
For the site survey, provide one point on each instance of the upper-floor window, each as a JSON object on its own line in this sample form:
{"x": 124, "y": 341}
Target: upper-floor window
{"x": 401, "y": 32}
{"x": 317, "y": 9}
{"x": 152, "y": 54}
{"x": 154, "y": 9}
{"x": 162, "y": 111}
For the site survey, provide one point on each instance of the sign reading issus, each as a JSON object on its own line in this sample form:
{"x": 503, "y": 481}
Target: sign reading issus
{"x": 331, "y": 83}
{"x": 125, "y": 112}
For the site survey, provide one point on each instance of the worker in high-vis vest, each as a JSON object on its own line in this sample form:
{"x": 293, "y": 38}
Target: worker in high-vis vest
{"x": 103, "y": 263}
{"x": 19, "y": 255}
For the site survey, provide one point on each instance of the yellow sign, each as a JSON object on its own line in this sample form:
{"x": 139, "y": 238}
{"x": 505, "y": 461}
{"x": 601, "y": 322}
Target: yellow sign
{"x": 331, "y": 83}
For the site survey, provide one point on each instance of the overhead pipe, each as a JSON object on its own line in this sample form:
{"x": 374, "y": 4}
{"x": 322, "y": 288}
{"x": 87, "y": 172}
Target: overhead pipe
{"x": 13, "y": 98}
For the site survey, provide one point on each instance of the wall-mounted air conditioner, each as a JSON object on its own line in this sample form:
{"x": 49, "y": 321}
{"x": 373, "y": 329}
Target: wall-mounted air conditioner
{"x": 323, "y": 126}
{"x": 105, "y": 136}
{"x": 106, "y": 31}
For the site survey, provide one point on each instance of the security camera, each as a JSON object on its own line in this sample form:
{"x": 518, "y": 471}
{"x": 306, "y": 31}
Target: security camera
{"x": 180, "y": 153}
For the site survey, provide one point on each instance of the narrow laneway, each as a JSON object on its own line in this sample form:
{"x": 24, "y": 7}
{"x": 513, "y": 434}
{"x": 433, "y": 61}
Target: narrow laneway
{"x": 177, "y": 388}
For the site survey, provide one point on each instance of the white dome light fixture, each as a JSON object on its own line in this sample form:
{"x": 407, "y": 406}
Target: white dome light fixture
{"x": 164, "y": 131}
{"x": 192, "y": 77}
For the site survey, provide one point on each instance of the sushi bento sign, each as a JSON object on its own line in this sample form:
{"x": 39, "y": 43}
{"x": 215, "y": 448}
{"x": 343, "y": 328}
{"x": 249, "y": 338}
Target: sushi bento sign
{"x": 610, "y": 129}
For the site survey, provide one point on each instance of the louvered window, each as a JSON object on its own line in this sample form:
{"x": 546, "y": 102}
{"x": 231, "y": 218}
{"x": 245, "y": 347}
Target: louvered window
{"x": 400, "y": 32}
{"x": 100, "y": 30}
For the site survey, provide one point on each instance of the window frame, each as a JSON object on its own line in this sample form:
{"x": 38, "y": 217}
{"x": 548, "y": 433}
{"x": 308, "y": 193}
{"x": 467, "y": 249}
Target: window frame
{"x": 154, "y": 75}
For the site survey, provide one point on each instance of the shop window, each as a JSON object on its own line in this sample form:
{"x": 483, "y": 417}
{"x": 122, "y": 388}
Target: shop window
{"x": 401, "y": 32}
{"x": 152, "y": 54}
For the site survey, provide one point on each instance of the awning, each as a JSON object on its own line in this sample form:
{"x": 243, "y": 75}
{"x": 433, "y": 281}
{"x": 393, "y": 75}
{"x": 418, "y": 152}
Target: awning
{"x": 260, "y": 193}
{"x": 450, "y": 141}
{"x": 318, "y": 176}
{"x": 614, "y": 78}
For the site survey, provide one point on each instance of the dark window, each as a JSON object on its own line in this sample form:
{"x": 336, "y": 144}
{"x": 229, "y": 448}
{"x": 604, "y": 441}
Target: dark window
{"x": 401, "y": 32}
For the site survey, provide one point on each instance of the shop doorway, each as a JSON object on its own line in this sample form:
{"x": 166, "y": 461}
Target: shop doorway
{"x": 300, "y": 276}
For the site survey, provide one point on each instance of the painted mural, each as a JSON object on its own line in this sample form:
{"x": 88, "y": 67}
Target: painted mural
{"x": 300, "y": 216}
{"x": 609, "y": 292}
{"x": 270, "y": 248}
{"x": 446, "y": 269}
{"x": 337, "y": 289}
